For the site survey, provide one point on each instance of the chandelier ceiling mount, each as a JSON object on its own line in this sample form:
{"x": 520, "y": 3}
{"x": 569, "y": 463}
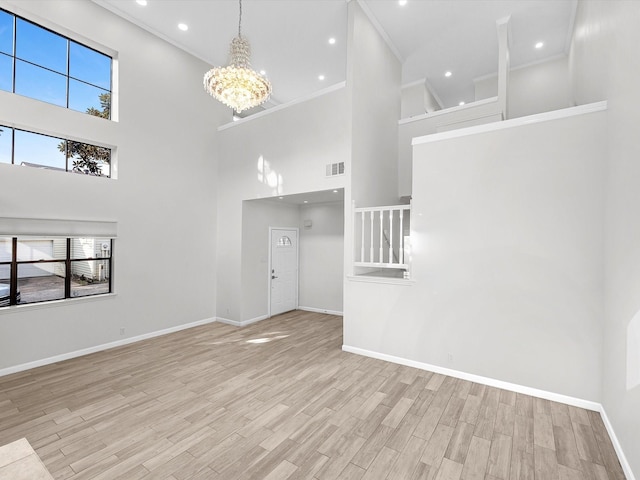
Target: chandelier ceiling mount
{"x": 237, "y": 85}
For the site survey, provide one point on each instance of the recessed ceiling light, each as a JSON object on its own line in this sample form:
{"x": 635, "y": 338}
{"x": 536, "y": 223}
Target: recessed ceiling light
{"x": 539, "y": 44}
{"x": 183, "y": 26}
{"x": 280, "y": 198}
{"x": 461, "y": 103}
{"x": 320, "y": 77}
{"x": 335, "y": 191}
{"x": 142, "y": 3}
{"x": 262, "y": 72}
{"x": 447, "y": 74}
{"x": 332, "y": 41}
{"x": 306, "y": 201}
{"x": 236, "y": 118}
{"x": 402, "y": 3}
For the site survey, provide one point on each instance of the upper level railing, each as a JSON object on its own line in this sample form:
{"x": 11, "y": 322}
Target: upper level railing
{"x": 380, "y": 235}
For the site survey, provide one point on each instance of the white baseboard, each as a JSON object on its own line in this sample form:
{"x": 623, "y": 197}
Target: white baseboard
{"x": 514, "y": 387}
{"x": 624, "y": 463}
{"x": 99, "y": 348}
{"x": 241, "y": 323}
{"x": 321, "y": 310}
{"x": 492, "y": 382}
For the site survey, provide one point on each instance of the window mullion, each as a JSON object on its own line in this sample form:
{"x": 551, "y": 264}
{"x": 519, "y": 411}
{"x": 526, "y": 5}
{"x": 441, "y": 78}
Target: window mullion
{"x": 13, "y": 276}
{"x": 13, "y": 146}
{"x": 68, "y": 70}
{"x": 67, "y": 273}
{"x": 110, "y": 265}
{"x": 15, "y": 49}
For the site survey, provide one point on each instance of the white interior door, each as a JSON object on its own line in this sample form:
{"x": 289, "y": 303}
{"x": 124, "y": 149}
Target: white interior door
{"x": 284, "y": 270}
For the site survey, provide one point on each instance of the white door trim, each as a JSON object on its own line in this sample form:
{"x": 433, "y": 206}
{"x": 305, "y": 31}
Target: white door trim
{"x": 271, "y": 229}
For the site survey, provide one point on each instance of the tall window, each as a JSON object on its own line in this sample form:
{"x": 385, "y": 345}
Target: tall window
{"x": 34, "y": 269}
{"x": 21, "y": 147}
{"x": 38, "y": 63}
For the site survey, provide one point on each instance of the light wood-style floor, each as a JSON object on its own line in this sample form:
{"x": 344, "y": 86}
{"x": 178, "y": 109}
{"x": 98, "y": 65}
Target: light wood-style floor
{"x": 280, "y": 400}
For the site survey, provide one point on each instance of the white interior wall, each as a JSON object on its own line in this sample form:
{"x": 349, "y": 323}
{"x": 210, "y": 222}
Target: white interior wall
{"x": 373, "y": 82}
{"x": 536, "y": 88}
{"x": 321, "y": 257}
{"x": 281, "y": 153}
{"x": 257, "y": 217}
{"x": 605, "y": 64}
{"x": 482, "y": 112}
{"x": 163, "y": 200}
{"x": 417, "y": 99}
{"x": 413, "y": 101}
{"x": 506, "y": 260}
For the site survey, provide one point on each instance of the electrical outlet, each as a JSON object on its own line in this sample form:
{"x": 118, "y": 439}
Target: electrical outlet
{"x": 121, "y": 330}
{"x": 450, "y": 357}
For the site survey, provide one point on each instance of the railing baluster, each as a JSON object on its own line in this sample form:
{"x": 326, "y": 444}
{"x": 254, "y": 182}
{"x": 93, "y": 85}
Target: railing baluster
{"x": 381, "y": 234}
{"x": 371, "y": 238}
{"x": 390, "y": 236}
{"x": 362, "y": 234}
{"x": 401, "y": 247}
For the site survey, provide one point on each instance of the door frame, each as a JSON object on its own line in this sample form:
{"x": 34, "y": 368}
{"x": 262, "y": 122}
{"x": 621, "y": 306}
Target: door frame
{"x": 271, "y": 229}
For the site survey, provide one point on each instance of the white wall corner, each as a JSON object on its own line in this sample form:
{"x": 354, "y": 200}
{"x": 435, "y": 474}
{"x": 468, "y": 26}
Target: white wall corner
{"x": 624, "y": 463}
{"x": 241, "y": 323}
{"x": 320, "y": 310}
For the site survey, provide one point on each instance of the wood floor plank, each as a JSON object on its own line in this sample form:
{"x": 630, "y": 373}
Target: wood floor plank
{"x": 523, "y": 434}
{"x": 382, "y": 464}
{"x": 209, "y": 403}
{"x": 566, "y": 473}
{"x": 283, "y": 471}
{"x": 437, "y": 445}
{"x": 475, "y": 466}
{"x": 401, "y": 435}
{"x": 566, "y": 449}
{"x": 522, "y": 465}
{"x": 543, "y": 430}
{"x": 546, "y": 463}
{"x": 452, "y": 412}
{"x": 408, "y": 459}
{"x": 340, "y": 460}
{"x": 449, "y": 470}
{"x": 372, "y": 447}
{"x": 471, "y": 409}
{"x": 428, "y": 422}
{"x": 459, "y": 444}
{"x": 500, "y": 456}
{"x": 505, "y": 419}
{"x": 397, "y": 413}
{"x": 587, "y": 443}
{"x": 524, "y": 405}
{"x": 605, "y": 445}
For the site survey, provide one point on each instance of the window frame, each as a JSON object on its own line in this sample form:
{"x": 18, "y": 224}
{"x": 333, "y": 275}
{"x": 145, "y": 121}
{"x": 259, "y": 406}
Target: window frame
{"x": 67, "y": 157}
{"x": 68, "y": 77}
{"x": 68, "y": 261}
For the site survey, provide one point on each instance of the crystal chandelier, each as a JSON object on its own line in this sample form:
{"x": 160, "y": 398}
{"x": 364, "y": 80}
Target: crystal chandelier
{"x": 237, "y": 85}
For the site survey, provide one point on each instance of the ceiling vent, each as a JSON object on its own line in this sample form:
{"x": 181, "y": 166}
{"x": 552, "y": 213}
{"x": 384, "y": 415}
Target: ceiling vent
{"x": 334, "y": 169}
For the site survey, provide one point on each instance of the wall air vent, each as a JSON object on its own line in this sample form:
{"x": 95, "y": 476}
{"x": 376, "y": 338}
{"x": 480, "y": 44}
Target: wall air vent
{"x": 334, "y": 169}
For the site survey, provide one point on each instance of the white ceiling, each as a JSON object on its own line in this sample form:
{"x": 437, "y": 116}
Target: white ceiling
{"x": 289, "y": 38}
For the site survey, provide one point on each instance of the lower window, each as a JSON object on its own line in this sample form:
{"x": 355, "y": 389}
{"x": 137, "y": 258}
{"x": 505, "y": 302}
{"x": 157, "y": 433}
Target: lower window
{"x": 34, "y": 270}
